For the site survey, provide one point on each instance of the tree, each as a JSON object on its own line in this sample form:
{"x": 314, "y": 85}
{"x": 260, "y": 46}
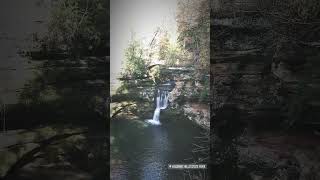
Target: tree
{"x": 135, "y": 64}
{"x": 193, "y": 19}
{"x": 164, "y": 46}
{"x": 78, "y": 27}
{"x": 174, "y": 55}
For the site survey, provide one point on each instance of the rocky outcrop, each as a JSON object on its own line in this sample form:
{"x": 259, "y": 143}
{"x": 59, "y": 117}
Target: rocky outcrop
{"x": 256, "y": 76}
{"x": 271, "y": 79}
{"x": 190, "y": 95}
{"x": 280, "y": 157}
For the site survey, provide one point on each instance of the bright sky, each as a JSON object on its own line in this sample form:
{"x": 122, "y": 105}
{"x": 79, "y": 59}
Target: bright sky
{"x": 139, "y": 16}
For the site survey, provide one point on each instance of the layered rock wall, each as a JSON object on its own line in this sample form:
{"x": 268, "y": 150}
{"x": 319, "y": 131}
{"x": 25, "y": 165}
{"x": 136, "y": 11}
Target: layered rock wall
{"x": 272, "y": 79}
{"x": 265, "y": 87}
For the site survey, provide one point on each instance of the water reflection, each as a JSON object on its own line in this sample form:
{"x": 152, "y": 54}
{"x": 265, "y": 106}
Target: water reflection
{"x": 154, "y": 165}
{"x": 145, "y": 150}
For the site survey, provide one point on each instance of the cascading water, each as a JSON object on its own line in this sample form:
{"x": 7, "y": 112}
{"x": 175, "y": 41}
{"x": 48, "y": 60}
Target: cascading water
{"x": 162, "y": 103}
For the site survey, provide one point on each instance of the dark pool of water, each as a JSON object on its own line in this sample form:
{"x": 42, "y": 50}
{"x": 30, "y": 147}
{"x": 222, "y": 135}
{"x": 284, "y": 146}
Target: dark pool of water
{"x": 142, "y": 151}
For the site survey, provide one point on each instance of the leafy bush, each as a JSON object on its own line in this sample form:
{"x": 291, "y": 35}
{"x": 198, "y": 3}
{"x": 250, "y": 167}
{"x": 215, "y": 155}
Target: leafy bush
{"x": 135, "y": 64}
{"x": 78, "y": 26}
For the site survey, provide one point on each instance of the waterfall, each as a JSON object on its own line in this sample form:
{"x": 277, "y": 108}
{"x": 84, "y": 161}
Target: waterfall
{"x": 162, "y": 103}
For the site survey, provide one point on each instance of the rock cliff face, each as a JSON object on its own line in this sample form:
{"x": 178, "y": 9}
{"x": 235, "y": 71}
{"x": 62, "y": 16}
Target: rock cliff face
{"x": 241, "y": 63}
{"x": 190, "y": 94}
{"x": 269, "y": 77}
{"x": 260, "y": 73}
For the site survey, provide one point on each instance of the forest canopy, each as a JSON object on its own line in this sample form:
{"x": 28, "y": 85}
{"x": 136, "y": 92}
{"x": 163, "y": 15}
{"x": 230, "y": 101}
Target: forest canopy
{"x": 191, "y": 47}
{"x": 78, "y": 27}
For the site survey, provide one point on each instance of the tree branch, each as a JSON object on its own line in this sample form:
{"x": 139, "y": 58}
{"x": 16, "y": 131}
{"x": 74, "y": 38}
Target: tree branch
{"x": 119, "y": 110}
{"x": 32, "y": 154}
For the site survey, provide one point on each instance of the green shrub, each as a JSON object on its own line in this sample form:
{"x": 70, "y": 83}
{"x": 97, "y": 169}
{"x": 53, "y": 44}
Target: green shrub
{"x": 78, "y": 27}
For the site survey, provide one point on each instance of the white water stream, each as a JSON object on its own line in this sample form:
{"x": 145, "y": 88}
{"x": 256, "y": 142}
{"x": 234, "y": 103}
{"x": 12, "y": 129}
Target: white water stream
{"x": 162, "y": 103}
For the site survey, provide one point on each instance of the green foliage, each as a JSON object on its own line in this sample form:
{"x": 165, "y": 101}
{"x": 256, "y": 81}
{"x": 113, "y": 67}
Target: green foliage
{"x": 171, "y": 53}
{"x": 193, "y": 26}
{"x": 135, "y": 64}
{"x": 174, "y": 55}
{"x": 78, "y": 26}
{"x": 164, "y": 46}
